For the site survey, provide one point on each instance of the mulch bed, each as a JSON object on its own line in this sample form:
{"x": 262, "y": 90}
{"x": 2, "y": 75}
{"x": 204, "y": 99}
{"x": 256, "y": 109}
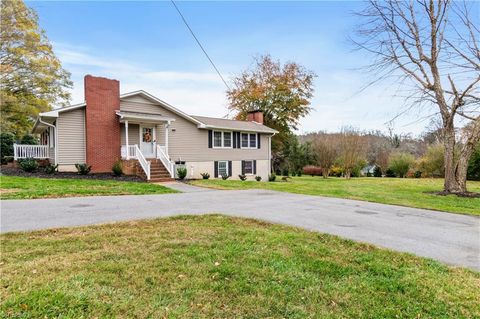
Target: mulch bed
{"x": 11, "y": 171}
{"x": 466, "y": 194}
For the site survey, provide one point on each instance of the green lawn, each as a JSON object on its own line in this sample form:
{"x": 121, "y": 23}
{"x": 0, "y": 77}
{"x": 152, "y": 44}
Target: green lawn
{"x": 14, "y": 187}
{"x": 397, "y": 191}
{"x": 221, "y": 267}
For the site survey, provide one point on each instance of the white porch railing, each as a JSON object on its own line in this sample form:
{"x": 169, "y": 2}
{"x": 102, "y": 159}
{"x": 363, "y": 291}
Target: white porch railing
{"x": 134, "y": 152}
{"x": 163, "y": 157}
{"x": 129, "y": 152}
{"x": 30, "y": 151}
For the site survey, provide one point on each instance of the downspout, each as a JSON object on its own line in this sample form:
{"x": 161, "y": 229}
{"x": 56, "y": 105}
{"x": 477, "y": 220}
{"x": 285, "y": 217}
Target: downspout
{"x": 55, "y": 137}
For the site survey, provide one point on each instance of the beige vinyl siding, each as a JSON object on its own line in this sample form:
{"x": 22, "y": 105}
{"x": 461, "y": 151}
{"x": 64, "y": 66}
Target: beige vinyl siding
{"x": 133, "y": 134}
{"x": 51, "y": 154}
{"x": 71, "y": 137}
{"x": 189, "y": 143}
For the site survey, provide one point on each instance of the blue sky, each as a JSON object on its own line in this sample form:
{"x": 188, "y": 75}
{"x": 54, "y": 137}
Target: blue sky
{"x": 146, "y": 46}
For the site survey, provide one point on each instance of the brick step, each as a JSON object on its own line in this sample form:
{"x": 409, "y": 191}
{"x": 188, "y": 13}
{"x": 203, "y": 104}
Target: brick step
{"x": 159, "y": 180}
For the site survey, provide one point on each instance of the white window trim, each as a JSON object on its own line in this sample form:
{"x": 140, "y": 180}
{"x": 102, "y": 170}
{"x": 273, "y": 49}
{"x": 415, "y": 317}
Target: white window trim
{"x": 51, "y": 137}
{"x": 223, "y": 139}
{"x": 249, "y": 147}
{"x": 226, "y": 168}
{"x": 252, "y": 173}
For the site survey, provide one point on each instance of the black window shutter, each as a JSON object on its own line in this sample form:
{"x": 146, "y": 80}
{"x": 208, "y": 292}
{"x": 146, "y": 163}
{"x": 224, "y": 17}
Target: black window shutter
{"x": 254, "y": 166}
{"x": 234, "y": 139}
{"x": 210, "y": 133}
{"x": 258, "y": 140}
{"x": 229, "y": 168}
{"x": 239, "y": 135}
{"x": 215, "y": 170}
{"x": 243, "y": 167}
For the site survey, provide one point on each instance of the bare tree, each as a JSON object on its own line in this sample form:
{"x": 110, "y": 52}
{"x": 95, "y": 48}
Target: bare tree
{"x": 351, "y": 150}
{"x": 325, "y": 148}
{"x": 433, "y": 46}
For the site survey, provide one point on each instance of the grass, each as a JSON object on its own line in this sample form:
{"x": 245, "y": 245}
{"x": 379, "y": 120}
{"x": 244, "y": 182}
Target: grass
{"x": 14, "y": 187}
{"x": 396, "y": 191}
{"x": 221, "y": 267}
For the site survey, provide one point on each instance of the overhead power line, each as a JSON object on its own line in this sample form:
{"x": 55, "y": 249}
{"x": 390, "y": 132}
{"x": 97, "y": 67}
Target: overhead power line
{"x": 199, "y": 44}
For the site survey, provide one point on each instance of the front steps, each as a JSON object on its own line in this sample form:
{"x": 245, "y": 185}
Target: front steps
{"x": 158, "y": 172}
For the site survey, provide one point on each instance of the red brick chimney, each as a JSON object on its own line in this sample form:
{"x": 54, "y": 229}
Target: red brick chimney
{"x": 255, "y": 116}
{"x": 102, "y": 127}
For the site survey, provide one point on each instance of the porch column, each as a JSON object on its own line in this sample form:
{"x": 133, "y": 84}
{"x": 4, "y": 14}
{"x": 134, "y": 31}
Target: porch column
{"x": 126, "y": 139}
{"x": 166, "y": 138}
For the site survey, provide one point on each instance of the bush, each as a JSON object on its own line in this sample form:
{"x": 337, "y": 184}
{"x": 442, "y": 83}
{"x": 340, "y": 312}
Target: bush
{"x": 258, "y": 178}
{"x": 83, "y": 168}
{"x": 312, "y": 170}
{"x": 205, "y": 175}
{"x": 181, "y": 172}
{"x": 117, "y": 168}
{"x": 272, "y": 177}
{"x": 369, "y": 174}
{"x": 417, "y": 174}
{"x": 28, "y": 164}
{"x": 242, "y": 177}
{"x": 28, "y": 139}
{"x": 473, "y": 171}
{"x": 285, "y": 172}
{"x": 336, "y": 171}
{"x": 432, "y": 163}
{"x": 390, "y": 173}
{"x": 400, "y": 163}
{"x": 225, "y": 177}
{"x": 299, "y": 173}
{"x": 377, "y": 172}
{"x": 50, "y": 169}
{"x": 6, "y": 148}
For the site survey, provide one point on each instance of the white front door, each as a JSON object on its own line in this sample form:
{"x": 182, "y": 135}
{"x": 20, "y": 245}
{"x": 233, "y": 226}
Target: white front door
{"x": 147, "y": 140}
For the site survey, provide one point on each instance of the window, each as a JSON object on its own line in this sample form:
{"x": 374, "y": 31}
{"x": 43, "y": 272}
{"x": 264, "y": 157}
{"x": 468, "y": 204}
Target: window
{"x": 222, "y": 168}
{"x": 222, "y": 139}
{"x": 147, "y": 135}
{"x": 253, "y": 140}
{"x": 217, "y": 139}
{"x": 227, "y": 139}
{"x": 249, "y": 140}
{"x": 248, "y": 167}
{"x": 244, "y": 140}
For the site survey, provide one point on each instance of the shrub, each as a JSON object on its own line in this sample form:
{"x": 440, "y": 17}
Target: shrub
{"x": 285, "y": 172}
{"x": 258, "y": 178}
{"x": 312, "y": 170}
{"x": 299, "y": 173}
{"x": 205, "y": 175}
{"x": 432, "y": 163}
{"x": 390, "y": 173}
{"x": 28, "y": 139}
{"x": 50, "y": 169}
{"x": 6, "y": 148}
{"x": 369, "y": 174}
{"x": 377, "y": 171}
{"x": 417, "y": 174}
{"x": 28, "y": 164}
{"x": 225, "y": 177}
{"x": 117, "y": 168}
{"x": 83, "y": 168}
{"x": 473, "y": 171}
{"x": 181, "y": 172}
{"x": 400, "y": 163}
{"x": 242, "y": 177}
{"x": 272, "y": 177}
{"x": 336, "y": 171}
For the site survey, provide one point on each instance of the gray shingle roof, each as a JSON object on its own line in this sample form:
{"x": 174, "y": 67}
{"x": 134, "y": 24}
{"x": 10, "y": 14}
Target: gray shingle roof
{"x": 212, "y": 122}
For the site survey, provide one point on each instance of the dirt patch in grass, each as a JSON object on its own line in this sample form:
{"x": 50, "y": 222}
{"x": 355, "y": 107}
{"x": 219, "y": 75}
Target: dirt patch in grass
{"x": 8, "y": 190}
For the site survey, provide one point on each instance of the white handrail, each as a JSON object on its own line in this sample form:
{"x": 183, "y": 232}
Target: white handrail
{"x": 30, "y": 151}
{"x": 163, "y": 157}
{"x": 131, "y": 152}
{"x": 143, "y": 162}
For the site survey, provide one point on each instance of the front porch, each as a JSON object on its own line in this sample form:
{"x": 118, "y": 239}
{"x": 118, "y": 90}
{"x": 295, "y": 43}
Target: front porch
{"x": 144, "y": 138}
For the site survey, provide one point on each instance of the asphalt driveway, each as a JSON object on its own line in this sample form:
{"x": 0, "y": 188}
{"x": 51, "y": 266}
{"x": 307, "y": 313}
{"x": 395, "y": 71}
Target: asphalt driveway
{"x": 450, "y": 238}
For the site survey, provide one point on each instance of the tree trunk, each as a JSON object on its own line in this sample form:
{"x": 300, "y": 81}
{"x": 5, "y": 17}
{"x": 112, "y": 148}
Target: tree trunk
{"x": 325, "y": 173}
{"x": 455, "y": 171}
{"x": 348, "y": 173}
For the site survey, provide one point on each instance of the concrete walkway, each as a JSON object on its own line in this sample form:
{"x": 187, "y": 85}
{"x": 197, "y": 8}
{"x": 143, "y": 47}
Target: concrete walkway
{"x": 450, "y": 238}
